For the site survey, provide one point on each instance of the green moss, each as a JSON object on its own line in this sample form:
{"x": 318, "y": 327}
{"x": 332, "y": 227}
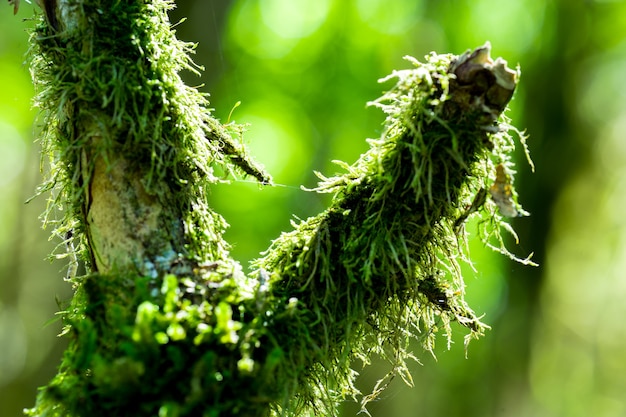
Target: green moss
{"x": 165, "y": 322}
{"x": 381, "y": 265}
{"x": 109, "y": 86}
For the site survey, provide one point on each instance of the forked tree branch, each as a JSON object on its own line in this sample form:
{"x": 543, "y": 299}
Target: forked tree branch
{"x": 165, "y": 322}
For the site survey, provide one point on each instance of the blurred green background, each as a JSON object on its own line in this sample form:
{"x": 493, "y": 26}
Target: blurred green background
{"x": 303, "y": 70}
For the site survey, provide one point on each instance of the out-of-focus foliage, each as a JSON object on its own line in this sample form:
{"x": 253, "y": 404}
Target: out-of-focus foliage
{"x": 303, "y": 71}
{"x": 29, "y": 349}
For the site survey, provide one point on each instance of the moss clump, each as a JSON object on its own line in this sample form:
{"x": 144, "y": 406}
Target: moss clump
{"x": 165, "y": 322}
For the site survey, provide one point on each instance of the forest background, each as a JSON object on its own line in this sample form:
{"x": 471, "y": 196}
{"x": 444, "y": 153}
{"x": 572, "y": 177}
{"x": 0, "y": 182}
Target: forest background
{"x": 303, "y": 71}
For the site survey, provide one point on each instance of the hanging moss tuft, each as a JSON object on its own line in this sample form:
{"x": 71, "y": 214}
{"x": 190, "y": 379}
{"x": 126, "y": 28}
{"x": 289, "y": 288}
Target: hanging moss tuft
{"x": 164, "y": 322}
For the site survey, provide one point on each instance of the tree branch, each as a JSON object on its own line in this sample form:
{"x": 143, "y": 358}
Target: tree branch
{"x": 165, "y": 322}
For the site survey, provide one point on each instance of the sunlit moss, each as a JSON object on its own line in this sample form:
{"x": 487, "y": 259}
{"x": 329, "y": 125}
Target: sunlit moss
{"x": 165, "y": 322}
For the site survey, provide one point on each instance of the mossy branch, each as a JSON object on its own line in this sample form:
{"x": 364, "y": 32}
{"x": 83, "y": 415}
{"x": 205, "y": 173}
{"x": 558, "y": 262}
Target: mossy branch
{"x": 165, "y": 322}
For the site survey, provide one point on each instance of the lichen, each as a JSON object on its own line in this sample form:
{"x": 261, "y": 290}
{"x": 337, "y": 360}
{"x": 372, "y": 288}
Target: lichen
{"x": 164, "y": 322}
